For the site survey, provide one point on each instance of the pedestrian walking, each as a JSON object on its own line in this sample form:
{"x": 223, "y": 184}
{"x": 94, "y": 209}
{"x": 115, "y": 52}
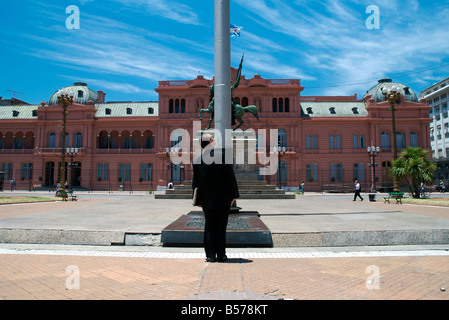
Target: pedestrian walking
{"x": 301, "y": 187}
{"x": 442, "y": 186}
{"x": 13, "y": 184}
{"x": 358, "y": 189}
{"x": 216, "y": 190}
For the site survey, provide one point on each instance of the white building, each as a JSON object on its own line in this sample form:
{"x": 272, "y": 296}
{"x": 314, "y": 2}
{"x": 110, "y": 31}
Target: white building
{"x": 437, "y": 96}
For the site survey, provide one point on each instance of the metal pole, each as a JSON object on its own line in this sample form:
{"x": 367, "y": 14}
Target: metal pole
{"x": 395, "y": 148}
{"x": 63, "y": 148}
{"x": 222, "y": 89}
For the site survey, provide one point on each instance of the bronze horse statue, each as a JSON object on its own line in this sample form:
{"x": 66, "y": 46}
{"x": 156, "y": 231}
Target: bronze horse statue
{"x": 237, "y": 110}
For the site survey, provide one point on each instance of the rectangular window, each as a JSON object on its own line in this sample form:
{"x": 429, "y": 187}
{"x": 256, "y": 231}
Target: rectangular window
{"x": 355, "y": 142}
{"x": 336, "y": 172}
{"x": 309, "y": 172}
{"x": 27, "y": 171}
{"x": 356, "y": 171}
{"x": 315, "y": 141}
{"x": 312, "y": 171}
{"x": 339, "y": 172}
{"x": 103, "y": 171}
{"x": 146, "y": 171}
{"x": 124, "y": 171}
{"x": 338, "y": 141}
{"x": 362, "y": 142}
{"x": 315, "y": 172}
{"x": 359, "y": 171}
{"x": 308, "y": 142}
{"x": 7, "y": 167}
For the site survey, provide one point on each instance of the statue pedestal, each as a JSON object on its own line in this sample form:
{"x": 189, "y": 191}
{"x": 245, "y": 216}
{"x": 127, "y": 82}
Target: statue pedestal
{"x": 243, "y": 230}
{"x": 244, "y": 147}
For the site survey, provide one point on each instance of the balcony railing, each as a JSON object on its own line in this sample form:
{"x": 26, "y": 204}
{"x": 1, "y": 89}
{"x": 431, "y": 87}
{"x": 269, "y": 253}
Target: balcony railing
{"x": 16, "y": 151}
{"x": 126, "y": 151}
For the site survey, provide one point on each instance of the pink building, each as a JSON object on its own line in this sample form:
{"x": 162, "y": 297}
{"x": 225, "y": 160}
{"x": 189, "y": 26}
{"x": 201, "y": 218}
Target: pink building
{"x": 125, "y": 145}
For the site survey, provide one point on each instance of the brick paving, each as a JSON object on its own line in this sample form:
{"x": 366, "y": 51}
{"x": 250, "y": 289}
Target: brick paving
{"x": 173, "y": 274}
{"x": 49, "y": 277}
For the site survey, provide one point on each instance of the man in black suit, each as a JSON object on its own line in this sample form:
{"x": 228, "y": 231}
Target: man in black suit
{"x": 217, "y": 192}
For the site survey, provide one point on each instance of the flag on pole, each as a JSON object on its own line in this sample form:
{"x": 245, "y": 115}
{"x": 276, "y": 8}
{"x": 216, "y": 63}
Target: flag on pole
{"x": 235, "y": 31}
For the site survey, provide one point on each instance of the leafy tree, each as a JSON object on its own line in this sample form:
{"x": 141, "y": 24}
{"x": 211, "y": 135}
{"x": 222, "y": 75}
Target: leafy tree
{"x": 414, "y": 166}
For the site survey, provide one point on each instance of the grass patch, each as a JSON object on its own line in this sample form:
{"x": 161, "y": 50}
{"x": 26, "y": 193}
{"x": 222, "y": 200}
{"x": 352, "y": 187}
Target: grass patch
{"x": 24, "y": 199}
{"x": 444, "y": 202}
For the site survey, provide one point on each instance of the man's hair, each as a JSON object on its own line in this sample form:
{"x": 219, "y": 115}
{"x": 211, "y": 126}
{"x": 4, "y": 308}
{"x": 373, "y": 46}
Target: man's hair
{"x": 205, "y": 140}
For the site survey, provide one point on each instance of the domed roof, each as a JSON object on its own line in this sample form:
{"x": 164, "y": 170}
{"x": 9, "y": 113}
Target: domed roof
{"x": 376, "y": 91}
{"x": 80, "y": 92}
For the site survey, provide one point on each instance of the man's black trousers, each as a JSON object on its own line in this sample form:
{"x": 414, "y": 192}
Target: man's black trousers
{"x": 215, "y": 232}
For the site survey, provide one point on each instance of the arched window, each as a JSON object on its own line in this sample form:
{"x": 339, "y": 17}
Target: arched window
{"x": 335, "y": 141}
{"x": 400, "y": 140}
{"x": 413, "y": 139}
{"x": 52, "y": 140}
{"x": 78, "y": 140}
{"x": 177, "y": 106}
{"x": 282, "y": 138}
{"x": 66, "y": 140}
{"x": 312, "y": 141}
{"x": 183, "y": 105}
{"x": 103, "y": 140}
{"x": 385, "y": 140}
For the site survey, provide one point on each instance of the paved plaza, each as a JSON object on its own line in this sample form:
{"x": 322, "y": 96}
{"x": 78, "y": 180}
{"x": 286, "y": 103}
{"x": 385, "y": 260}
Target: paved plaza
{"x": 107, "y": 246}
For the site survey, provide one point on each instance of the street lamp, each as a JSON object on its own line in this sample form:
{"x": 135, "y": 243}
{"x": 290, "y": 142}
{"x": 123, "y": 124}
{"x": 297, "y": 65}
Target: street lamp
{"x": 280, "y": 152}
{"x": 65, "y": 99}
{"x": 392, "y": 95}
{"x": 72, "y": 152}
{"x": 373, "y": 152}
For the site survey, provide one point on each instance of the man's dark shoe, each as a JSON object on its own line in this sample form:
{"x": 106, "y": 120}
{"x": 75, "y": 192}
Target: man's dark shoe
{"x": 223, "y": 259}
{"x": 211, "y": 260}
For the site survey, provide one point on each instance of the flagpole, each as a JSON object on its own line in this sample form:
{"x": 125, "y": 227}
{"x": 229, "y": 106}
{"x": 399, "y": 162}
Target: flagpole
{"x": 222, "y": 92}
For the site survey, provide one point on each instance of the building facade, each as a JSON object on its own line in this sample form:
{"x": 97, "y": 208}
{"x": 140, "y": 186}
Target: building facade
{"x": 437, "y": 96}
{"x": 127, "y": 145}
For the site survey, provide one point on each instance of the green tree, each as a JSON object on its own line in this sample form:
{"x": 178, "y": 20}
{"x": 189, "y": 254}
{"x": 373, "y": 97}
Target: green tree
{"x": 414, "y": 166}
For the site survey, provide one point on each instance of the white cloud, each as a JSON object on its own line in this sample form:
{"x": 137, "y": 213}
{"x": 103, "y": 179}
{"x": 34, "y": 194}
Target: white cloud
{"x": 107, "y": 46}
{"x": 336, "y": 44}
{"x": 169, "y": 9}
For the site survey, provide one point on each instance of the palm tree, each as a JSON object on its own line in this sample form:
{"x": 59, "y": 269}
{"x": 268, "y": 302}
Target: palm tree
{"x": 415, "y": 167}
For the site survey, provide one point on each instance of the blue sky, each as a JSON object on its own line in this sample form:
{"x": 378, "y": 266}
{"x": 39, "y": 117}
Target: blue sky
{"x": 124, "y": 47}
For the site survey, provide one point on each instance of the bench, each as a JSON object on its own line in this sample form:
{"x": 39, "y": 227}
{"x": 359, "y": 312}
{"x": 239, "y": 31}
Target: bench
{"x": 394, "y": 195}
{"x": 65, "y": 194}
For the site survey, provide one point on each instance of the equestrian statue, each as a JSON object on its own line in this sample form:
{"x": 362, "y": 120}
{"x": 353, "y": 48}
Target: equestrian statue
{"x": 237, "y": 110}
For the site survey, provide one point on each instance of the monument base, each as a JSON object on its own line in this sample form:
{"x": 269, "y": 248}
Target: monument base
{"x": 245, "y": 229}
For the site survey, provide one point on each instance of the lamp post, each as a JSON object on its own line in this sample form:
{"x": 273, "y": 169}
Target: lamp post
{"x": 65, "y": 99}
{"x": 72, "y": 152}
{"x": 392, "y": 95}
{"x": 373, "y": 152}
{"x": 280, "y": 152}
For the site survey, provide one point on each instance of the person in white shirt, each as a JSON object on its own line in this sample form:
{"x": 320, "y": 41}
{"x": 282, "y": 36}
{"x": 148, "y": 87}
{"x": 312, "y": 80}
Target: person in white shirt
{"x": 358, "y": 189}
